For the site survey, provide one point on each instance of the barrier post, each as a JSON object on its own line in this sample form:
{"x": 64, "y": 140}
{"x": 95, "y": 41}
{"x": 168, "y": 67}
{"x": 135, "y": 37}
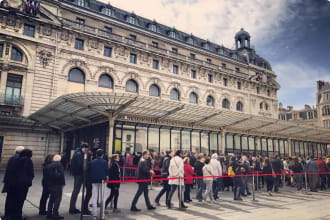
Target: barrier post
{"x": 257, "y": 181}
{"x": 306, "y": 188}
{"x": 253, "y": 191}
{"x": 180, "y": 193}
{"x": 151, "y": 183}
{"x": 102, "y": 200}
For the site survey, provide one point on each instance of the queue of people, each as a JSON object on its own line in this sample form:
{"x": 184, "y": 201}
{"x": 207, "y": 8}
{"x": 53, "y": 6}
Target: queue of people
{"x": 209, "y": 174}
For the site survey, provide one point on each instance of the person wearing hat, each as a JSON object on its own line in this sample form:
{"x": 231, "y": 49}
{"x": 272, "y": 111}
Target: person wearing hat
{"x": 77, "y": 170}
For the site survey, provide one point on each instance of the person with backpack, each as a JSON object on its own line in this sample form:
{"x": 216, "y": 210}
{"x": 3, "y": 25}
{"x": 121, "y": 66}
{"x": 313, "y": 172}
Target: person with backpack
{"x": 114, "y": 174}
{"x": 99, "y": 172}
{"x": 55, "y": 184}
{"x": 164, "y": 173}
{"x": 77, "y": 170}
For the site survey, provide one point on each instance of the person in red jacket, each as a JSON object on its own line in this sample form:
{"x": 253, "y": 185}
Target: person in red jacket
{"x": 323, "y": 168}
{"x": 188, "y": 181}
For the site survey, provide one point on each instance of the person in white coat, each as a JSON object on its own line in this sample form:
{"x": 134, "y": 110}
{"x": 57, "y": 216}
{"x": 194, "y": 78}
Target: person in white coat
{"x": 208, "y": 179}
{"x": 176, "y": 170}
{"x": 216, "y": 170}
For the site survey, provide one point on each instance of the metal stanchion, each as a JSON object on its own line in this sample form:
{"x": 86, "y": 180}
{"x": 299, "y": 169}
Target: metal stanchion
{"x": 180, "y": 193}
{"x": 253, "y": 191}
{"x": 102, "y": 200}
{"x": 306, "y": 183}
{"x": 257, "y": 182}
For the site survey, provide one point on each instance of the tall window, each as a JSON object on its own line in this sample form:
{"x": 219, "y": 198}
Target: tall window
{"x": 268, "y": 92}
{"x": 193, "y": 98}
{"x": 239, "y": 85}
{"x": 239, "y": 106}
{"x": 173, "y": 34}
{"x": 193, "y": 74}
{"x": 210, "y": 101}
{"x": 155, "y": 64}
{"x": 154, "y": 90}
{"x": 175, "y": 95}
{"x": 13, "y": 89}
{"x": 225, "y": 104}
{"x": 131, "y": 86}
{"x": 175, "y": 69}
{"x": 210, "y": 78}
{"x": 206, "y": 46}
{"x": 225, "y": 81}
{"x": 29, "y": 30}
{"x": 76, "y": 75}
{"x": 81, "y": 3}
{"x": 190, "y": 40}
{"x": 1, "y": 50}
{"x": 132, "y": 58}
{"x": 79, "y": 44}
{"x": 16, "y": 54}
{"x": 266, "y": 107}
{"x": 153, "y": 27}
{"x": 261, "y": 106}
{"x": 258, "y": 90}
{"x": 107, "y": 51}
{"x": 106, "y": 81}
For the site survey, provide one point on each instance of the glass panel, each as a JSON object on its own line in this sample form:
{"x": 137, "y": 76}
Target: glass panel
{"x": 153, "y": 139}
{"x": 175, "y": 140}
{"x": 275, "y": 146}
{"x": 76, "y": 75}
{"x": 270, "y": 145}
{"x": 237, "y": 146}
{"x": 264, "y": 146}
{"x": 244, "y": 143}
{"x": 195, "y": 142}
{"x": 251, "y": 144}
{"x": 105, "y": 81}
{"x": 205, "y": 143}
{"x": 186, "y": 140}
{"x": 131, "y": 86}
{"x": 128, "y": 138}
{"x": 229, "y": 142}
{"x": 258, "y": 145}
{"x": 1, "y": 49}
{"x": 154, "y": 91}
{"x": 174, "y": 95}
{"x": 213, "y": 143}
{"x": 286, "y": 147}
{"x": 220, "y": 144}
{"x": 16, "y": 54}
{"x": 141, "y": 139}
{"x": 164, "y": 140}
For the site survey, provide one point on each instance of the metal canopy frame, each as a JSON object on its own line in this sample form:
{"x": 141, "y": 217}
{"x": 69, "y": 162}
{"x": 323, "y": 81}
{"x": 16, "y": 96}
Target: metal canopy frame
{"x": 73, "y": 111}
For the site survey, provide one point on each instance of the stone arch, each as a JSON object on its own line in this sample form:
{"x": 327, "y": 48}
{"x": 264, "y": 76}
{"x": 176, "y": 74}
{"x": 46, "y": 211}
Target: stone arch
{"x": 174, "y": 85}
{"x": 193, "y": 89}
{"x": 135, "y": 76}
{"x": 108, "y": 70}
{"x": 156, "y": 81}
{"x": 226, "y": 96}
{"x": 26, "y": 53}
{"x": 77, "y": 63}
{"x": 211, "y": 92}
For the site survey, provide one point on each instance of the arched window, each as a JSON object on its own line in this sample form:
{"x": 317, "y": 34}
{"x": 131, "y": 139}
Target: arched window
{"x": 225, "y": 104}
{"x": 175, "y": 94}
{"x": 131, "y": 86}
{"x": 193, "y": 98}
{"x": 16, "y": 54}
{"x": 210, "y": 101}
{"x": 154, "y": 90}
{"x": 266, "y": 107}
{"x": 261, "y": 105}
{"x": 239, "y": 106}
{"x": 105, "y": 81}
{"x": 76, "y": 75}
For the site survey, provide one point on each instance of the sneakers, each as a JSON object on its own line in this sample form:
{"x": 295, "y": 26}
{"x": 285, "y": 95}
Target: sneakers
{"x": 74, "y": 211}
{"x": 151, "y": 208}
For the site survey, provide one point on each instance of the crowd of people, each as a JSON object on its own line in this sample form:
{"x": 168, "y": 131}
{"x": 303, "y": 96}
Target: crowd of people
{"x": 180, "y": 171}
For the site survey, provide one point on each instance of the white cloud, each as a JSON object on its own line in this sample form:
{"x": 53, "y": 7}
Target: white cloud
{"x": 216, "y": 20}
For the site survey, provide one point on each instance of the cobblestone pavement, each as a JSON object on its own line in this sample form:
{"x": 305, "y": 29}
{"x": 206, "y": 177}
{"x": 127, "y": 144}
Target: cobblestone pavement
{"x": 288, "y": 204}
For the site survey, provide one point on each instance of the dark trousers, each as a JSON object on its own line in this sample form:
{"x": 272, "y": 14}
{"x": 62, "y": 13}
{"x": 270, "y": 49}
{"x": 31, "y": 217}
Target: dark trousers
{"x": 173, "y": 189}
{"x": 200, "y": 187}
{"x": 55, "y": 200}
{"x": 114, "y": 194}
{"x": 143, "y": 188}
{"x": 166, "y": 189}
{"x": 313, "y": 181}
{"x": 238, "y": 184}
{"x": 88, "y": 196}
{"x": 299, "y": 181}
{"x": 17, "y": 196}
{"x": 78, "y": 181}
{"x": 245, "y": 187}
{"x": 323, "y": 178}
{"x": 187, "y": 189}
{"x": 270, "y": 182}
{"x": 277, "y": 183}
{"x": 43, "y": 200}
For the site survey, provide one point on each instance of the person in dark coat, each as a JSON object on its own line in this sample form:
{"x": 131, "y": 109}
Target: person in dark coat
{"x": 199, "y": 164}
{"x": 277, "y": 167}
{"x": 88, "y": 185}
{"x": 269, "y": 178}
{"x": 164, "y": 173}
{"x": 114, "y": 174}
{"x": 144, "y": 172}
{"x": 313, "y": 177}
{"x": 55, "y": 184}
{"x": 44, "y": 181}
{"x": 77, "y": 170}
{"x": 24, "y": 174}
{"x": 238, "y": 182}
{"x": 9, "y": 181}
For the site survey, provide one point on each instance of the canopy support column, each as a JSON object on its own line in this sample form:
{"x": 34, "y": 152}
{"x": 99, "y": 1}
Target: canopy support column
{"x": 111, "y": 136}
{"x": 223, "y": 142}
{"x": 62, "y": 142}
{"x": 289, "y": 147}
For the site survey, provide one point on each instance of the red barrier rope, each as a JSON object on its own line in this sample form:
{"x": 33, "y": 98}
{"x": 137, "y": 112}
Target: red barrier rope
{"x": 204, "y": 177}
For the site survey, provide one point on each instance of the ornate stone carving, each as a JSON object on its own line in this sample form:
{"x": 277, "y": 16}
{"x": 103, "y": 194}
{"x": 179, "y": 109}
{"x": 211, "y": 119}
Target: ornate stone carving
{"x": 93, "y": 43}
{"x": 78, "y": 63}
{"x": 46, "y": 30}
{"x": 45, "y": 57}
{"x": 65, "y": 36}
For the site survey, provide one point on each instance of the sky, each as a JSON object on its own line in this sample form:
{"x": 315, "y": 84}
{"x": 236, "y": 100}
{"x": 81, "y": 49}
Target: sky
{"x": 293, "y": 35}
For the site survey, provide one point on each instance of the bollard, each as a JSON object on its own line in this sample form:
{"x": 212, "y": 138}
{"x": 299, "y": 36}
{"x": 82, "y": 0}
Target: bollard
{"x": 180, "y": 194}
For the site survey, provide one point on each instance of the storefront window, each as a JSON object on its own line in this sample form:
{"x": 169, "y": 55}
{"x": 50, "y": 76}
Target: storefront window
{"x": 251, "y": 144}
{"x": 264, "y": 146}
{"x": 186, "y": 140}
{"x": 220, "y": 144}
{"x": 164, "y": 140}
{"x": 286, "y": 148}
{"x": 229, "y": 145}
{"x": 244, "y": 143}
{"x": 128, "y": 138}
{"x": 237, "y": 146}
{"x": 213, "y": 143}
{"x": 175, "y": 140}
{"x": 141, "y": 139}
{"x": 117, "y": 148}
{"x": 153, "y": 139}
{"x": 257, "y": 144}
{"x": 205, "y": 143}
{"x": 275, "y": 147}
{"x": 195, "y": 142}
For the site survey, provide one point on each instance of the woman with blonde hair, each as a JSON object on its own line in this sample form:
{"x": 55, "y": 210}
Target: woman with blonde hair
{"x": 188, "y": 179}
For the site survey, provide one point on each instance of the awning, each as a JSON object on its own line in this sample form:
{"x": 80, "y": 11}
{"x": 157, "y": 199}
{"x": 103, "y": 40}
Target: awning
{"x": 73, "y": 111}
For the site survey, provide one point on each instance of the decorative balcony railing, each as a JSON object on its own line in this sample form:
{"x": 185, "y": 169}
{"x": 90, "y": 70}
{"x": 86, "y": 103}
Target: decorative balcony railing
{"x": 6, "y": 99}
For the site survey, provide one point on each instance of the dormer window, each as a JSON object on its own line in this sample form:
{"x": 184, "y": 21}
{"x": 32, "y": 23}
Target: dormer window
{"x": 206, "y": 46}
{"x": 153, "y": 27}
{"x": 190, "y": 40}
{"x": 131, "y": 19}
{"x": 107, "y": 11}
{"x": 173, "y": 34}
{"x": 220, "y": 51}
{"x": 81, "y": 3}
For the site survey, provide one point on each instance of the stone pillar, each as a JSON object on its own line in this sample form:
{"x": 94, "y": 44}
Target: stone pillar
{"x": 111, "y": 136}
{"x": 223, "y": 141}
{"x": 3, "y": 81}
{"x": 62, "y": 142}
{"x": 290, "y": 147}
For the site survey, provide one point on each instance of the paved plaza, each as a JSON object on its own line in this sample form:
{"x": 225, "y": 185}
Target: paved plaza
{"x": 288, "y": 204}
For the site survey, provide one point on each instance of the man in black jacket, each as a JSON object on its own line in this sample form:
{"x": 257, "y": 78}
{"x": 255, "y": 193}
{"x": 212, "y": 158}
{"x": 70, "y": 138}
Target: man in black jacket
{"x": 277, "y": 167}
{"x": 199, "y": 164}
{"x": 166, "y": 187}
{"x": 55, "y": 175}
{"x": 77, "y": 170}
{"x": 144, "y": 172}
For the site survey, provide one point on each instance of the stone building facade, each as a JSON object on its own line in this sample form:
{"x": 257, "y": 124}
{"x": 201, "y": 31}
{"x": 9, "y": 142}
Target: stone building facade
{"x": 62, "y": 47}
{"x": 323, "y": 103}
